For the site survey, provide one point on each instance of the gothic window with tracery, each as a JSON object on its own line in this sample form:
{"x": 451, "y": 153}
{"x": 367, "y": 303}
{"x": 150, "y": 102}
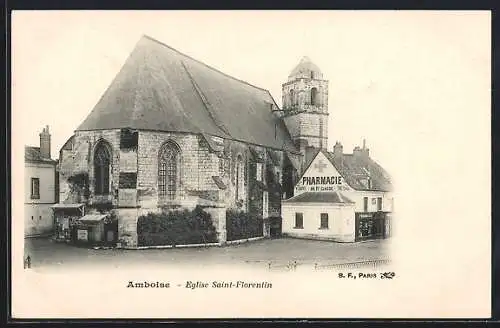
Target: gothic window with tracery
{"x": 102, "y": 164}
{"x": 168, "y": 171}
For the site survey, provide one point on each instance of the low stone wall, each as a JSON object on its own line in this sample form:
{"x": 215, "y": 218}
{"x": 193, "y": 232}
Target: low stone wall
{"x": 227, "y": 243}
{"x": 241, "y": 241}
{"x": 172, "y": 246}
{"x": 338, "y": 238}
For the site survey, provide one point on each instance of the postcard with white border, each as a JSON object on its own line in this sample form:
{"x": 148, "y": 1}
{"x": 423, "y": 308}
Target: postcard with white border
{"x": 251, "y": 164}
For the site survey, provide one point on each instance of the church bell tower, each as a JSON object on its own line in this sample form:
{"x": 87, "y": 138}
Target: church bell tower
{"x": 305, "y": 106}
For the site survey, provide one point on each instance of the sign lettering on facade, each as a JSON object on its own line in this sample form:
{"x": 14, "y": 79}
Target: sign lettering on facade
{"x": 322, "y": 180}
{"x": 318, "y": 183}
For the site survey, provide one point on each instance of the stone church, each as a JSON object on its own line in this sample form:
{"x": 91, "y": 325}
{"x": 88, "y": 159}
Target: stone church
{"x": 172, "y": 132}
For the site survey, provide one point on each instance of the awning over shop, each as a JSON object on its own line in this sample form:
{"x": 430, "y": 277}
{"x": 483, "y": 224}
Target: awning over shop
{"x": 61, "y": 208}
{"x": 93, "y": 218}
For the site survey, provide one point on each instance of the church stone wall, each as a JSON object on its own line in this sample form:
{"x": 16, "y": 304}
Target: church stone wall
{"x": 302, "y": 91}
{"x": 134, "y": 176}
{"x": 79, "y": 160}
{"x": 197, "y": 167}
{"x": 304, "y": 125}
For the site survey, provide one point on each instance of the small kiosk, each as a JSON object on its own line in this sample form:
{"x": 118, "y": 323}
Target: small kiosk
{"x": 73, "y": 225}
{"x": 95, "y": 230}
{"x": 65, "y": 217}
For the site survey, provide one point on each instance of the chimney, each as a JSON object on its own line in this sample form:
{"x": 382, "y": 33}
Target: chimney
{"x": 338, "y": 149}
{"x": 361, "y": 152}
{"x": 45, "y": 143}
{"x": 356, "y": 151}
{"x": 366, "y": 151}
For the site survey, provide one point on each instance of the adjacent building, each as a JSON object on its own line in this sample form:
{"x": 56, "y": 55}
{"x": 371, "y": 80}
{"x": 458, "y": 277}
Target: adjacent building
{"x": 40, "y": 185}
{"x": 342, "y": 197}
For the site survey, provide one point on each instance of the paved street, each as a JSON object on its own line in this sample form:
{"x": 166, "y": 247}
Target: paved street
{"x": 46, "y": 253}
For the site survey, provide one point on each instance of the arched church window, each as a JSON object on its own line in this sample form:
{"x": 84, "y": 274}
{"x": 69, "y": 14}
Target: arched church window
{"x": 102, "y": 165}
{"x": 168, "y": 170}
{"x": 240, "y": 177}
{"x": 314, "y": 93}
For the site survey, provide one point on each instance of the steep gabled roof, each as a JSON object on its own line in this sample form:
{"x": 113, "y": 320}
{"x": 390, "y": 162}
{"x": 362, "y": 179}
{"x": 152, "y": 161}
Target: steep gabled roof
{"x": 356, "y": 169}
{"x": 159, "y": 88}
{"x": 33, "y": 155}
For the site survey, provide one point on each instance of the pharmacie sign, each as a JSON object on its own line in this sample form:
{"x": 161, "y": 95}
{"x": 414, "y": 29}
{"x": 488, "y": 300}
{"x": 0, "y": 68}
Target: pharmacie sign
{"x": 320, "y": 183}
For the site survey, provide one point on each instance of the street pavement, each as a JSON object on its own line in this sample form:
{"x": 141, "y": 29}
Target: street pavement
{"x": 45, "y": 253}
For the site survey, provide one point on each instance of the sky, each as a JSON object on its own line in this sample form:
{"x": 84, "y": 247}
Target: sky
{"x": 394, "y": 77}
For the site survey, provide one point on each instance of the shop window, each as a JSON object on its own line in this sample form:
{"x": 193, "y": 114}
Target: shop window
{"x": 35, "y": 188}
{"x": 299, "y": 221}
{"x": 324, "y": 221}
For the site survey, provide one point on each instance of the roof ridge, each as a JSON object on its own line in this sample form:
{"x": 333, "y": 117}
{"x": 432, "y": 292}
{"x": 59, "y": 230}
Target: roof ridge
{"x": 202, "y": 63}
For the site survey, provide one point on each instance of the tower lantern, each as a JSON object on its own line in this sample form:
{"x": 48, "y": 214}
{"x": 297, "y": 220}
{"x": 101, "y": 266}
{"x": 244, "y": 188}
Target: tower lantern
{"x": 305, "y": 105}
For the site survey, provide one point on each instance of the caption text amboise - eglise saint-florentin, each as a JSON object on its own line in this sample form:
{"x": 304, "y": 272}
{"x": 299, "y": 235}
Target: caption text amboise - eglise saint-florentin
{"x": 201, "y": 284}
